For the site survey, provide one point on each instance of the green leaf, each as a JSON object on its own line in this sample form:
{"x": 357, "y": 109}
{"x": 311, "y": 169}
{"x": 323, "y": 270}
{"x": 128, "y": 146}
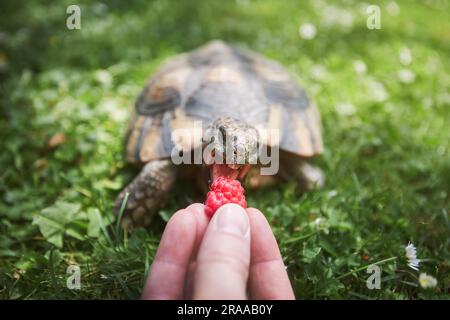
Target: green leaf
{"x": 52, "y": 221}
{"x": 165, "y": 215}
{"x": 96, "y": 223}
{"x": 310, "y": 253}
{"x": 56, "y": 257}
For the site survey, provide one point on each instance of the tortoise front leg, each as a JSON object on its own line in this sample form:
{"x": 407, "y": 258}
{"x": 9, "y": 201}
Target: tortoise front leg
{"x": 307, "y": 176}
{"x": 147, "y": 193}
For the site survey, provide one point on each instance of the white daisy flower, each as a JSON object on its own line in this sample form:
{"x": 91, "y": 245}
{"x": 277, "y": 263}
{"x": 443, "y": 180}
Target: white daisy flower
{"x": 319, "y": 221}
{"x": 333, "y": 16}
{"x": 413, "y": 262}
{"x": 345, "y": 109}
{"x": 307, "y": 31}
{"x": 426, "y": 281}
{"x": 392, "y": 8}
{"x": 332, "y": 193}
{"x": 406, "y": 75}
{"x": 377, "y": 91}
{"x": 359, "y": 66}
{"x": 104, "y": 77}
{"x": 318, "y": 72}
{"x": 405, "y": 56}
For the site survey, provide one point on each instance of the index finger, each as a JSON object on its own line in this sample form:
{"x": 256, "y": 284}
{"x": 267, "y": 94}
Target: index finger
{"x": 168, "y": 271}
{"x": 268, "y": 277}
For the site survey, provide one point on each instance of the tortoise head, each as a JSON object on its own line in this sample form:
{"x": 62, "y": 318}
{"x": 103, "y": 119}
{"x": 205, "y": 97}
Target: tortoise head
{"x": 230, "y": 147}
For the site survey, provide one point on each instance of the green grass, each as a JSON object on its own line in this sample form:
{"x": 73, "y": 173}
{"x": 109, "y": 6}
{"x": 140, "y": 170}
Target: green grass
{"x": 386, "y": 160}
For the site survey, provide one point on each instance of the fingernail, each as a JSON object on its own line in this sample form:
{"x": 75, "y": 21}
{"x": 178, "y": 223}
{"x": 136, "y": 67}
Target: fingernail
{"x": 233, "y": 218}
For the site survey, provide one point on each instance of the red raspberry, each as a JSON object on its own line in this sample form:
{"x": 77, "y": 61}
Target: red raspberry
{"x": 224, "y": 191}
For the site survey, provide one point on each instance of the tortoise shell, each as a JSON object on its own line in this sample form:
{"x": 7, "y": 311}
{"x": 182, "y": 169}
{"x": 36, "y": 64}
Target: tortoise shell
{"x": 220, "y": 80}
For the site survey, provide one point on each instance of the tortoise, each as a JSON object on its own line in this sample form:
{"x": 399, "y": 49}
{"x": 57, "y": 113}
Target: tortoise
{"x": 217, "y": 88}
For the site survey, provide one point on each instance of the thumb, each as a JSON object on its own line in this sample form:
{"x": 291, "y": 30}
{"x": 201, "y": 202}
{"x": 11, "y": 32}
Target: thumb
{"x": 224, "y": 256}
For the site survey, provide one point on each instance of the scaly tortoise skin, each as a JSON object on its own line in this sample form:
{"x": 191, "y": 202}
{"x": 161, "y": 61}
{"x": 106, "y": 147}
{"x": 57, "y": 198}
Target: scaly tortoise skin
{"x": 216, "y": 81}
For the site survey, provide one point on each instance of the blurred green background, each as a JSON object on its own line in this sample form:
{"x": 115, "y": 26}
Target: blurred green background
{"x": 384, "y": 96}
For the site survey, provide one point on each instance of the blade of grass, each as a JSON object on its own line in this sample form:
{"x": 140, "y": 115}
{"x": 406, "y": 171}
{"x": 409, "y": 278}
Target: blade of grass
{"x": 122, "y": 210}
{"x": 365, "y": 267}
{"x": 299, "y": 238}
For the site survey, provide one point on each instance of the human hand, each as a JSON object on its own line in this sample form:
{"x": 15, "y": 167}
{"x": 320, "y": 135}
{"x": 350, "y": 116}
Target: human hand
{"x": 233, "y": 256}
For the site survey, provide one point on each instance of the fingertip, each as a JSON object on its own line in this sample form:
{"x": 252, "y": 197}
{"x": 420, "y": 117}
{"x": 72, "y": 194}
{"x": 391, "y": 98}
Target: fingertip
{"x": 180, "y": 229}
{"x": 235, "y": 211}
{"x": 196, "y": 207}
{"x": 180, "y": 220}
{"x": 197, "y": 210}
{"x": 231, "y": 207}
{"x": 224, "y": 256}
{"x": 251, "y": 209}
{"x": 232, "y": 218}
{"x": 264, "y": 244}
{"x": 256, "y": 214}
{"x": 268, "y": 277}
{"x": 168, "y": 271}
{"x": 260, "y": 228}
{"x": 179, "y": 212}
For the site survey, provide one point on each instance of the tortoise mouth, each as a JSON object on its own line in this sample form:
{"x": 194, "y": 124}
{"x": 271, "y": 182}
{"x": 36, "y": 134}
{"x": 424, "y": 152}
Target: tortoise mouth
{"x": 230, "y": 171}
